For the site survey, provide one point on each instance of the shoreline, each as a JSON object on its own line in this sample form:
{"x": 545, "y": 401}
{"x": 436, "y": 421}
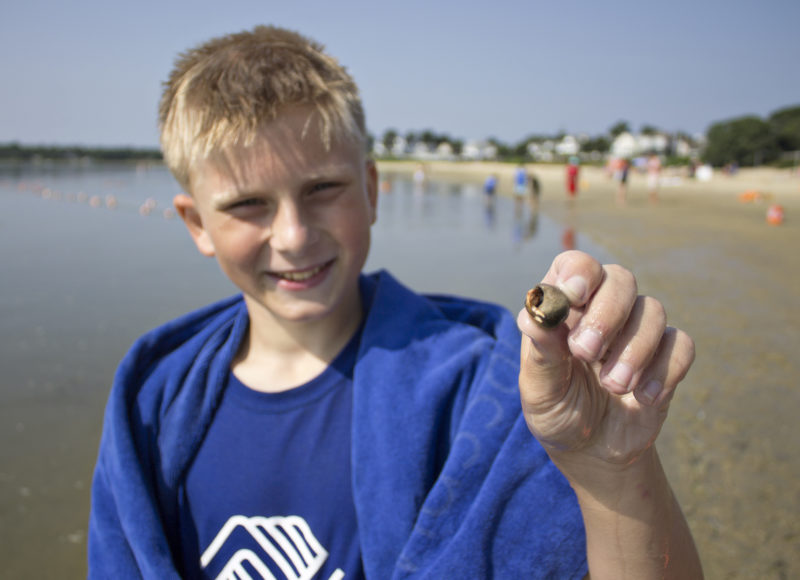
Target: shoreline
{"x": 782, "y": 184}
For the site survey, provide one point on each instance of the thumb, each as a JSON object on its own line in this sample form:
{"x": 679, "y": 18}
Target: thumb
{"x": 545, "y": 365}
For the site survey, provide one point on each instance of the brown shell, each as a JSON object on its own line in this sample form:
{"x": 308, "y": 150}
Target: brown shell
{"x": 547, "y": 305}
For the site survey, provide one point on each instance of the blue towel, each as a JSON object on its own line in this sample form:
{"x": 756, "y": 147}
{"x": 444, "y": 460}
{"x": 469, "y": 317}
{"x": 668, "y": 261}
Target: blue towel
{"x": 448, "y": 481}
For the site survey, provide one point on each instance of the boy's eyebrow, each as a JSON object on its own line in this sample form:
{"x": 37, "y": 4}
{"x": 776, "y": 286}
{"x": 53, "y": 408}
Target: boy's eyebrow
{"x": 220, "y": 199}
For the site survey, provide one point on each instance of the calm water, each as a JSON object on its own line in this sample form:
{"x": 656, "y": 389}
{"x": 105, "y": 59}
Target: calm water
{"x": 80, "y": 281}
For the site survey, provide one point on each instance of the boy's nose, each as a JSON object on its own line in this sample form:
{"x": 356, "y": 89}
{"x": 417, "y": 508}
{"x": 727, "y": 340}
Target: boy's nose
{"x": 290, "y": 230}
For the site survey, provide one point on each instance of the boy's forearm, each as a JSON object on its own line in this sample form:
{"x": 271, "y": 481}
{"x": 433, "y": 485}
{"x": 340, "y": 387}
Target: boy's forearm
{"x": 634, "y": 525}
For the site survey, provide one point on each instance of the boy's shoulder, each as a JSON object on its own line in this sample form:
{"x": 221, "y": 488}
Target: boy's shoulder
{"x": 190, "y": 330}
{"x": 173, "y": 349}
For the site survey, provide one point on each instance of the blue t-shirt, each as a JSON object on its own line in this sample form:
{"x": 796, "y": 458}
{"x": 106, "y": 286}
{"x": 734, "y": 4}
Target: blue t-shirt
{"x": 269, "y": 491}
{"x": 490, "y": 184}
{"x": 520, "y": 177}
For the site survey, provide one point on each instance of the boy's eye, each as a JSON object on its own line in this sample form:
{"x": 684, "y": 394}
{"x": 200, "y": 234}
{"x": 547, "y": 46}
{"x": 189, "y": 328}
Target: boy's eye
{"x": 323, "y": 186}
{"x": 242, "y": 203}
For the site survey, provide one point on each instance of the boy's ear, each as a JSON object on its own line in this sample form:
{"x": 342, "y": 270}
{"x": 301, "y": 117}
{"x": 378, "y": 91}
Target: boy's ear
{"x": 185, "y": 206}
{"x": 372, "y": 188}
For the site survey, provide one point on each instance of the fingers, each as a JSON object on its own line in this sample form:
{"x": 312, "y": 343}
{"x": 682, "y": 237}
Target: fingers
{"x": 669, "y": 366}
{"x": 605, "y": 314}
{"x": 606, "y": 294}
{"x": 634, "y": 347}
{"x": 577, "y": 275}
{"x": 624, "y": 334}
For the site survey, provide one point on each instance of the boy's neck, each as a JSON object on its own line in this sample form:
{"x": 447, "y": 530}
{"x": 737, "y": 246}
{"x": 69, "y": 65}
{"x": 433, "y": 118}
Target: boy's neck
{"x": 277, "y": 356}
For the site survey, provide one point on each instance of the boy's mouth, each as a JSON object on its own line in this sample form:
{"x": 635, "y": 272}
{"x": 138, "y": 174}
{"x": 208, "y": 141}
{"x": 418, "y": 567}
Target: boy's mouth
{"x": 301, "y": 275}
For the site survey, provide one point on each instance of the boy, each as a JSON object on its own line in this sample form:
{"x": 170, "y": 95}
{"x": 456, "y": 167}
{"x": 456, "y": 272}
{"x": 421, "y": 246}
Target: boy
{"x": 327, "y": 424}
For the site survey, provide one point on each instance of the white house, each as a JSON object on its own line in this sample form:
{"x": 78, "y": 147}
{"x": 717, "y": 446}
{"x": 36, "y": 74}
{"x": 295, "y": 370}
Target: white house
{"x": 421, "y": 150}
{"x": 378, "y": 148}
{"x": 476, "y": 150}
{"x": 445, "y": 151}
{"x": 399, "y": 147}
{"x": 568, "y": 146}
{"x": 541, "y": 151}
{"x": 624, "y": 145}
{"x": 628, "y": 145}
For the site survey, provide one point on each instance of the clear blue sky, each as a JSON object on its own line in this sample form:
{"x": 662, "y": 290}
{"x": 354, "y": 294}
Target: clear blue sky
{"x": 89, "y": 72}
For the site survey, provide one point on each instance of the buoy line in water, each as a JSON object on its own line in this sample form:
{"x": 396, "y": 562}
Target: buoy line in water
{"x": 148, "y": 208}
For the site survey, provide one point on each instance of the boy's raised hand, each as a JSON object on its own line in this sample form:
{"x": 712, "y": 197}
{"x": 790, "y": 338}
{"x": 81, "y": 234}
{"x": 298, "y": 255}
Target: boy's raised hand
{"x": 595, "y": 390}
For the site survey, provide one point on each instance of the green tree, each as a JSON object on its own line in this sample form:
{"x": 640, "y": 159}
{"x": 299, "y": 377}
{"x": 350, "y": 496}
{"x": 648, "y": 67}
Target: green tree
{"x": 745, "y": 140}
{"x": 389, "y": 137}
{"x": 618, "y": 129}
{"x": 503, "y": 150}
{"x": 600, "y": 144}
{"x": 785, "y": 124}
{"x": 521, "y": 149}
{"x": 428, "y": 137}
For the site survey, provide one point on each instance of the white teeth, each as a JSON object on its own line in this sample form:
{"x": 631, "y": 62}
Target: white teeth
{"x": 301, "y": 276}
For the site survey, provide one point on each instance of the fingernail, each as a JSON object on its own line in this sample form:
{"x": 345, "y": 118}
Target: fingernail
{"x": 575, "y": 288}
{"x": 650, "y": 391}
{"x": 621, "y": 375}
{"x": 590, "y": 341}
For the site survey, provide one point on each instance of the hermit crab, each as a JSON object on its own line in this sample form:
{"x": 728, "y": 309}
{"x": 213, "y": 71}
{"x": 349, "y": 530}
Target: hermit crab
{"x": 547, "y": 305}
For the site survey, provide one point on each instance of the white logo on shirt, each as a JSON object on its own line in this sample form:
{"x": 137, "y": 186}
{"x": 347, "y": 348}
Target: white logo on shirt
{"x": 286, "y": 541}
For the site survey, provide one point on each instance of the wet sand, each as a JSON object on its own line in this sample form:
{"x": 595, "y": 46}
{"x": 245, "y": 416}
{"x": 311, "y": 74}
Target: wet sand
{"x": 732, "y": 281}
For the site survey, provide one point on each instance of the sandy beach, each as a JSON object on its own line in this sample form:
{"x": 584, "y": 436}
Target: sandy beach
{"x": 731, "y": 280}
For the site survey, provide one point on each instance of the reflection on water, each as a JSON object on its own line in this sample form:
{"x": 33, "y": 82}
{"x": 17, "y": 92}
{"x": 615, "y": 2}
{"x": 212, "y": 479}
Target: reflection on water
{"x": 91, "y": 261}
{"x": 445, "y": 237}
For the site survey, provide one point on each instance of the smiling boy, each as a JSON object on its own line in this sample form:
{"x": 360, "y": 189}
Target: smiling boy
{"x": 288, "y": 220}
{"x": 329, "y": 424}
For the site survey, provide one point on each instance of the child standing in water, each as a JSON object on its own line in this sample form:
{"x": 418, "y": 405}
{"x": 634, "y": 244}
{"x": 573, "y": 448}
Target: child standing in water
{"x": 573, "y": 171}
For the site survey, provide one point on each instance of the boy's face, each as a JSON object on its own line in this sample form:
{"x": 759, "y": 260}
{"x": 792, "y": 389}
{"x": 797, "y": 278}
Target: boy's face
{"x": 288, "y": 221}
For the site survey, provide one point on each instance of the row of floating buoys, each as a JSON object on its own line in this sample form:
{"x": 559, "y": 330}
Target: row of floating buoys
{"x": 109, "y": 201}
{"x": 774, "y": 211}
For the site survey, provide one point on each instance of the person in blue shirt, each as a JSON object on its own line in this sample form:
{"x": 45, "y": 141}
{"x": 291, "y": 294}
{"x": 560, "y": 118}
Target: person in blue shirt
{"x": 327, "y": 423}
{"x": 490, "y": 185}
{"x": 520, "y": 188}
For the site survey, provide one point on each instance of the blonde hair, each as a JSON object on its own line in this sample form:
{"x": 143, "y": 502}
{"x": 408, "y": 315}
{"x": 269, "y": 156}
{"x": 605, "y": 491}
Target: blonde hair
{"x": 222, "y": 92}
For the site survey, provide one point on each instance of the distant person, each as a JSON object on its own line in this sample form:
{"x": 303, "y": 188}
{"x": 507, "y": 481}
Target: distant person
{"x": 419, "y": 175}
{"x": 535, "y": 190}
{"x": 490, "y": 188}
{"x": 611, "y": 167}
{"x": 327, "y": 423}
{"x": 623, "y": 169}
{"x": 520, "y": 188}
{"x": 489, "y": 193}
{"x": 573, "y": 172}
{"x": 653, "y": 176}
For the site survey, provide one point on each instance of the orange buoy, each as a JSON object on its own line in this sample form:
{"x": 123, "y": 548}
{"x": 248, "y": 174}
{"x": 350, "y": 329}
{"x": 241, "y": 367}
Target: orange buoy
{"x": 775, "y": 215}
